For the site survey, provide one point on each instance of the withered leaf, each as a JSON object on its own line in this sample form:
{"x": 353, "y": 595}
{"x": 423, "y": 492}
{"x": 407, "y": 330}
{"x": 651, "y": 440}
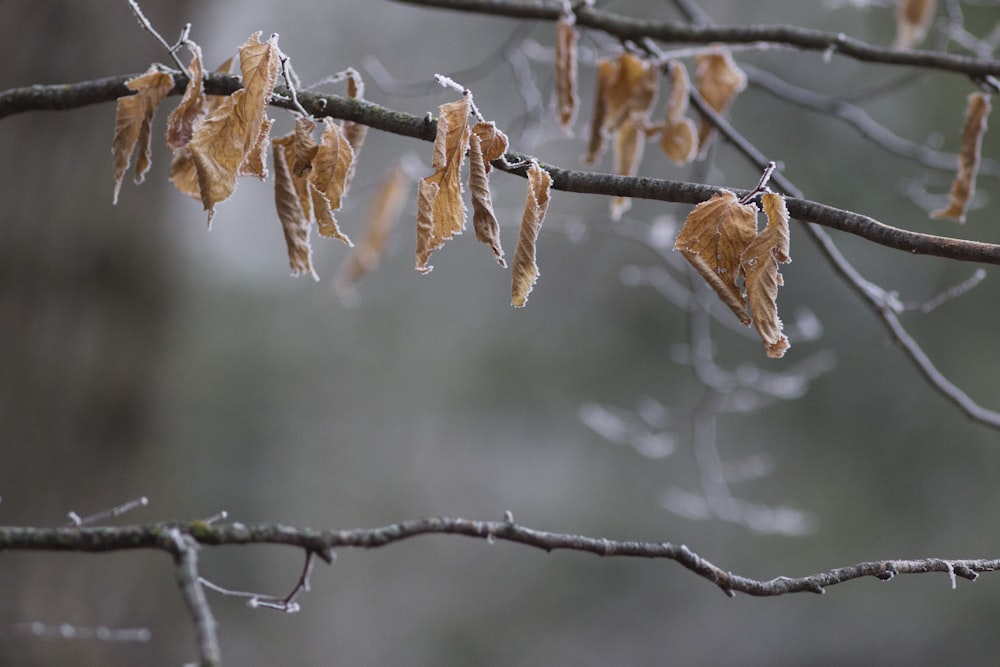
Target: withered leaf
{"x": 440, "y": 209}
{"x": 183, "y": 174}
{"x": 964, "y": 186}
{"x": 524, "y": 270}
{"x": 133, "y": 121}
{"x": 484, "y": 220}
{"x": 236, "y": 132}
{"x": 566, "y": 70}
{"x": 328, "y": 178}
{"x": 294, "y": 223}
{"x": 304, "y": 147}
{"x": 713, "y": 239}
{"x": 180, "y": 123}
{"x": 630, "y": 142}
{"x": 382, "y": 215}
{"x": 718, "y": 79}
{"x": 679, "y": 140}
{"x": 626, "y": 87}
{"x": 913, "y": 17}
{"x": 355, "y": 132}
{"x": 759, "y": 263}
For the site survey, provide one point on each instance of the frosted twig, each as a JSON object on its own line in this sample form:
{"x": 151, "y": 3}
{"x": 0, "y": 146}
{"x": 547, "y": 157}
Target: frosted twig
{"x": 953, "y": 292}
{"x": 148, "y": 27}
{"x": 286, "y": 604}
{"x": 76, "y": 520}
{"x": 70, "y": 631}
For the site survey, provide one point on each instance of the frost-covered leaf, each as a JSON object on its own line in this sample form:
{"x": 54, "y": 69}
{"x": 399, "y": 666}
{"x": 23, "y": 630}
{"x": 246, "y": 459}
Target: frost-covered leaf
{"x": 181, "y": 121}
{"x": 719, "y": 80}
{"x": 630, "y": 141}
{"x": 133, "y": 120}
{"x": 713, "y": 239}
{"x": 626, "y": 88}
{"x": 524, "y": 269}
{"x": 236, "y": 132}
{"x": 679, "y": 140}
{"x": 759, "y": 263}
{"x": 440, "y": 209}
{"x": 294, "y": 223}
{"x": 913, "y": 17}
{"x": 385, "y": 208}
{"x": 964, "y": 186}
{"x": 485, "y": 143}
{"x": 566, "y": 70}
{"x": 328, "y": 178}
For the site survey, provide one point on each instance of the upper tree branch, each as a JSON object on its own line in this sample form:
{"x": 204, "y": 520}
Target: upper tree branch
{"x": 68, "y": 96}
{"x": 165, "y": 536}
{"x": 624, "y": 27}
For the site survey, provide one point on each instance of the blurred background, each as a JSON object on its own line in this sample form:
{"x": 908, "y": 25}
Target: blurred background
{"x": 142, "y": 355}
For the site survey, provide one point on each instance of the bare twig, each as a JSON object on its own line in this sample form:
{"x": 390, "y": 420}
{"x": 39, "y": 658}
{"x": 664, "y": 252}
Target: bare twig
{"x": 180, "y": 539}
{"x": 148, "y": 27}
{"x": 76, "y": 520}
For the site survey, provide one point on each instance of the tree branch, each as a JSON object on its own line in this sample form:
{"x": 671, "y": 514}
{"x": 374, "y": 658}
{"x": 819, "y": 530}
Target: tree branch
{"x": 169, "y": 536}
{"x": 69, "y": 96}
{"x": 624, "y": 27}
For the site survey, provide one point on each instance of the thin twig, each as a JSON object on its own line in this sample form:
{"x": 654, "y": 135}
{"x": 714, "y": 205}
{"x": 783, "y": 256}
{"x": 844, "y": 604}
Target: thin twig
{"x": 148, "y": 27}
{"x": 185, "y": 550}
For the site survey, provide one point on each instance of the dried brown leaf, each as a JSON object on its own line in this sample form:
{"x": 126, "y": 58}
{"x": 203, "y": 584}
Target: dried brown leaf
{"x": 718, "y": 79}
{"x": 964, "y": 186}
{"x": 133, "y": 121}
{"x": 626, "y": 87}
{"x": 440, "y": 209}
{"x": 759, "y": 263}
{"x": 484, "y": 220}
{"x": 294, "y": 223}
{"x": 355, "y": 132}
{"x": 255, "y": 162}
{"x": 679, "y": 140}
{"x": 382, "y": 216}
{"x": 630, "y": 141}
{"x": 236, "y": 132}
{"x": 524, "y": 270}
{"x": 493, "y": 141}
{"x": 183, "y": 174}
{"x": 304, "y": 146}
{"x": 566, "y": 70}
{"x": 181, "y": 122}
{"x": 913, "y": 17}
{"x": 713, "y": 239}
{"x": 328, "y": 178}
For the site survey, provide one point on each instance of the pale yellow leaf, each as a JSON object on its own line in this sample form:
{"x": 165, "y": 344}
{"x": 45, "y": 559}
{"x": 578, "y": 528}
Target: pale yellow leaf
{"x": 713, "y": 239}
{"x": 133, "y": 121}
{"x": 630, "y": 141}
{"x": 440, "y": 209}
{"x": 679, "y": 140}
{"x": 180, "y": 123}
{"x": 294, "y": 223}
{"x": 382, "y": 216}
{"x": 484, "y": 220}
{"x": 719, "y": 80}
{"x": 328, "y": 176}
{"x": 913, "y": 17}
{"x": 566, "y": 70}
{"x": 964, "y": 186}
{"x": 524, "y": 268}
{"x": 759, "y": 263}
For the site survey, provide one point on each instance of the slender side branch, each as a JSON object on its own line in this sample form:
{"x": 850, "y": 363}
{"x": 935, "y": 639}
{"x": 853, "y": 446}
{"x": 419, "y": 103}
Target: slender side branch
{"x": 179, "y": 539}
{"x": 624, "y": 27}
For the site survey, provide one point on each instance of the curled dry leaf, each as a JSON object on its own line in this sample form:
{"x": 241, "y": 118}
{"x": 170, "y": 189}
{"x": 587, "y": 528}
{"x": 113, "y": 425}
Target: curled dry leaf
{"x": 133, "y": 121}
{"x": 964, "y": 186}
{"x": 304, "y": 146}
{"x": 630, "y": 141}
{"x": 713, "y": 239}
{"x": 230, "y": 140}
{"x": 759, "y": 263}
{"x": 524, "y": 271}
{"x": 440, "y": 209}
{"x": 913, "y": 17}
{"x": 355, "y": 132}
{"x": 679, "y": 140}
{"x": 328, "y": 178}
{"x": 626, "y": 88}
{"x": 718, "y": 79}
{"x": 566, "y": 97}
{"x": 385, "y": 209}
{"x": 486, "y": 143}
{"x": 180, "y": 125}
{"x": 294, "y": 222}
